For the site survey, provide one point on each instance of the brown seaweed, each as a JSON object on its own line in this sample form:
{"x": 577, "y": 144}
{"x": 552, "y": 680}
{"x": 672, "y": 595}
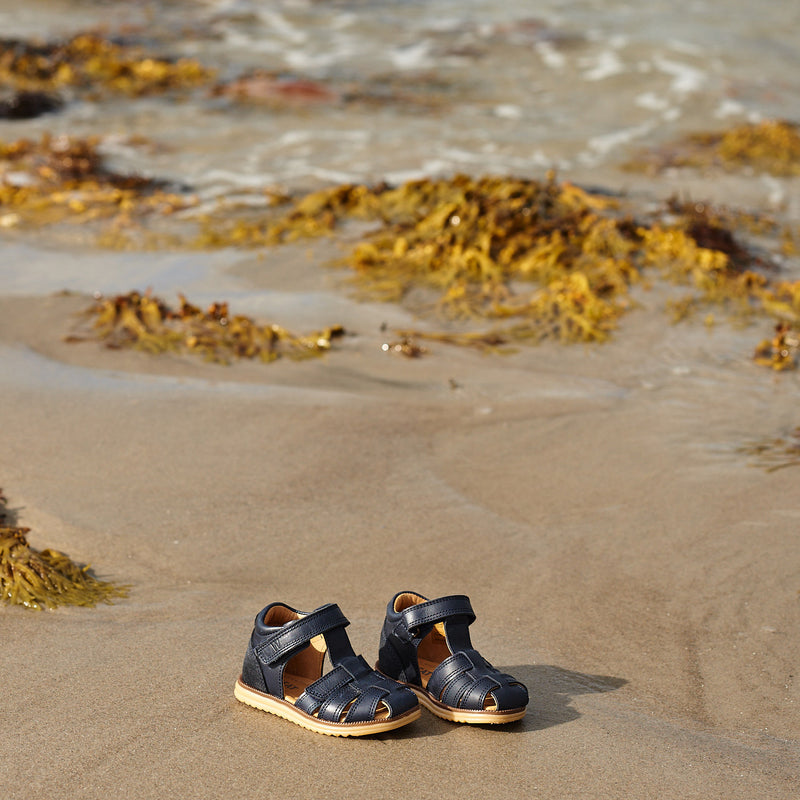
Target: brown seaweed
{"x": 405, "y": 346}
{"x": 474, "y": 245}
{"x": 145, "y": 322}
{"x": 774, "y": 453}
{"x": 90, "y": 61}
{"x": 779, "y": 352}
{"x": 273, "y": 89}
{"x": 468, "y": 240}
{"x": 771, "y": 146}
{"x": 535, "y": 259}
{"x": 64, "y": 178}
{"x": 45, "y": 579}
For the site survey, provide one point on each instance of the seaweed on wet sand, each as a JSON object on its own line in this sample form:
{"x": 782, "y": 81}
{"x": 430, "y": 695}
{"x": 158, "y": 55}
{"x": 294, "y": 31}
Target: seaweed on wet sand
{"x": 91, "y": 61}
{"x": 44, "y": 579}
{"x": 276, "y": 90}
{"x": 779, "y": 352}
{"x": 145, "y": 322}
{"x": 771, "y": 146}
{"x": 405, "y": 346}
{"x": 471, "y": 241}
{"x": 534, "y": 259}
{"x": 538, "y": 259}
{"x": 64, "y": 178}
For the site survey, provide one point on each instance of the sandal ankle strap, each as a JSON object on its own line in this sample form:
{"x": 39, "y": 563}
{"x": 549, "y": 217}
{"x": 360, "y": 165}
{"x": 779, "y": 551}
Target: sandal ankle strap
{"x": 295, "y": 635}
{"x": 424, "y": 615}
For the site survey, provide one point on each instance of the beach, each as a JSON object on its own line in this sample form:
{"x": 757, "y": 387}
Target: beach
{"x": 628, "y": 558}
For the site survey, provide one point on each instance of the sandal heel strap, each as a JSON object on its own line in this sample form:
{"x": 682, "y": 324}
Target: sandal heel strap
{"x": 295, "y": 635}
{"x": 439, "y": 610}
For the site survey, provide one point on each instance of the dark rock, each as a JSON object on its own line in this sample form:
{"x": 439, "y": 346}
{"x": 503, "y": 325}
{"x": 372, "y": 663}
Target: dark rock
{"x": 28, "y": 105}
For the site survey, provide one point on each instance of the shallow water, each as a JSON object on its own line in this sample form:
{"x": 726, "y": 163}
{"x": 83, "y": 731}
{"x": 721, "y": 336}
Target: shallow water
{"x": 418, "y": 88}
{"x": 473, "y": 86}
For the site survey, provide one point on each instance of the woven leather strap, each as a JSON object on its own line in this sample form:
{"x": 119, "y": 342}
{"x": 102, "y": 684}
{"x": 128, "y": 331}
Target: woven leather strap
{"x": 295, "y": 635}
{"x": 353, "y": 683}
{"x": 465, "y": 679}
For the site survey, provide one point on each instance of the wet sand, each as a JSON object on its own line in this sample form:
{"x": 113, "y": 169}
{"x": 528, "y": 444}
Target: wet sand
{"x": 625, "y": 561}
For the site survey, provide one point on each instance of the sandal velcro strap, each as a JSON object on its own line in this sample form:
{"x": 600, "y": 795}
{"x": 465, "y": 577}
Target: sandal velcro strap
{"x": 429, "y": 613}
{"x": 466, "y": 679}
{"x": 295, "y": 635}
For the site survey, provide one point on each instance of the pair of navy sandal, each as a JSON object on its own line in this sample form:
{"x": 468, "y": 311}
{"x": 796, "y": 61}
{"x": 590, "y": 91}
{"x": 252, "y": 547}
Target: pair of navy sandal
{"x": 426, "y": 656}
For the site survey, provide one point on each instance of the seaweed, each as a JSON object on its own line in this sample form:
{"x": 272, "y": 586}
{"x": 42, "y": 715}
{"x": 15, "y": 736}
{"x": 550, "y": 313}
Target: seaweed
{"x": 475, "y": 245}
{"x": 283, "y": 90}
{"x": 64, "y": 178}
{"x": 405, "y": 346}
{"x": 535, "y": 259}
{"x": 494, "y": 341}
{"x": 90, "y": 61}
{"x": 776, "y": 452}
{"x": 779, "y": 352}
{"x": 771, "y": 146}
{"x": 145, "y": 322}
{"x": 470, "y": 249}
{"x": 470, "y": 241}
{"x": 45, "y": 579}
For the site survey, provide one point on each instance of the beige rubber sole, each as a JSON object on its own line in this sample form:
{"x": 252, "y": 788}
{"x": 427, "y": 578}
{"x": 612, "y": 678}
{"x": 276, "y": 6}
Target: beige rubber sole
{"x": 266, "y": 702}
{"x": 468, "y": 717}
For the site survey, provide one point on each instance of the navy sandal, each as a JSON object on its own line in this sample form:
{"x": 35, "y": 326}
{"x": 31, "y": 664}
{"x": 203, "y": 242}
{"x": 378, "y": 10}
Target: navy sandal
{"x": 282, "y": 674}
{"x": 425, "y": 644}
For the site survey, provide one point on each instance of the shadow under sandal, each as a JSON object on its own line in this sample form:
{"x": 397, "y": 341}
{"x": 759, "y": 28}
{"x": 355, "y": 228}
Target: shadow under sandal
{"x": 282, "y": 674}
{"x": 426, "y": 645}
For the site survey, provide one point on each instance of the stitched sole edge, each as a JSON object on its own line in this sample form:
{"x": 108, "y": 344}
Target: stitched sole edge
{"x": 281, "y": 708}
{"x": 468, "y": 717}
{"x": 459, "y": 714}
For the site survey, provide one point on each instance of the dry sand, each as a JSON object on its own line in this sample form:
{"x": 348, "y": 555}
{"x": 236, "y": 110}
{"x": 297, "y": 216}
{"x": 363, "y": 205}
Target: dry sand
{"x": 624, "y": 560}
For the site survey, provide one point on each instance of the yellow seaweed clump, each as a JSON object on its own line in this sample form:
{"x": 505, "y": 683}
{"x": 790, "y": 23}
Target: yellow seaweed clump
{"x": 45, "y": 579}
{"x": 475, "y": 243}
{"x": 539, "y": 259}
{"x": 88, "y": 61}
{"x": 779, "y": 352}
{"x": 781, "y": 302}
{"x": 771, "y": 146}
{"x": 64, "y": 178}
{"x": 145, "y": 322}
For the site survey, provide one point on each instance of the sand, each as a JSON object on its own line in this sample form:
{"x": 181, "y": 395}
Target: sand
{"x": 638, "y": 573}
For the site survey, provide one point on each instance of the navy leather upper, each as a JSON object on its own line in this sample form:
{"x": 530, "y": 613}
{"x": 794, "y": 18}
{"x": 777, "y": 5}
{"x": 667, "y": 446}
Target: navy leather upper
{"x": 463, "y": 680}
{"x": 278, "y": 644}
{"x": 423, "y": 616}
{"x": 351, "y": 681}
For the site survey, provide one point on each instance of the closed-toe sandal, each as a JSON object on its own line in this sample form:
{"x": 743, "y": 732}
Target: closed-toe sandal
{"x": 282, "y": 674}
{"x": 426, "y": 645}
